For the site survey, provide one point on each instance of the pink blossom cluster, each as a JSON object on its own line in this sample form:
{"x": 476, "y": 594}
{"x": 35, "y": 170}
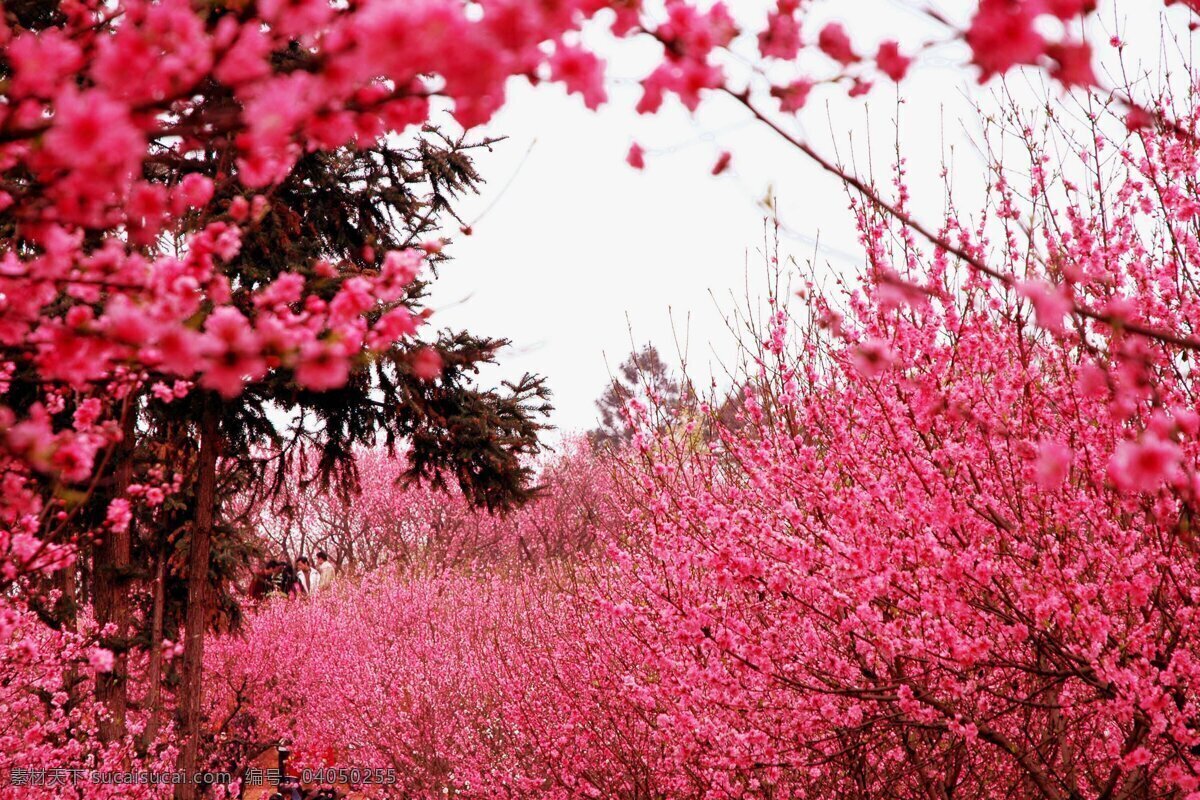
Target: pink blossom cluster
{"x": 948, "y": 547}
{"x": 49, "y": 717}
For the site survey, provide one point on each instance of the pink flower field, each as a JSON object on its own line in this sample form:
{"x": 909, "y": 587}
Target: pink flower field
{"x": 910, "y": 515}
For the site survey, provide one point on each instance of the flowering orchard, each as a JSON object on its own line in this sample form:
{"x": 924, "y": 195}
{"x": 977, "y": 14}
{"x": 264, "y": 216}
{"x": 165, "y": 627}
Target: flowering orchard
{"x": 424, "y": 529}
{"x": 946, "y": 549}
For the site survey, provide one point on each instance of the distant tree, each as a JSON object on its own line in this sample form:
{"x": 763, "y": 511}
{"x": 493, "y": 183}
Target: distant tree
{"x": 644, "y": 379}
{"x": 422, "y": 529}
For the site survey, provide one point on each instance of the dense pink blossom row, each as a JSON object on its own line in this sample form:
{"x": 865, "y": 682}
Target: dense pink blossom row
{"x": 426, "y": 529}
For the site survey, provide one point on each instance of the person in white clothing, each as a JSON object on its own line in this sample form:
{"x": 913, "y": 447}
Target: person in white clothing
{"x": 325, "y": 570}
{"x": 307, "y": 578}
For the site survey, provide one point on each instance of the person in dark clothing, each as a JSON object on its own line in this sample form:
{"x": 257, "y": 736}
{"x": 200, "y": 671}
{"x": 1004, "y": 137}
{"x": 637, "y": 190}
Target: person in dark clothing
{"x": 285, "y": 582}
{"x": 274, "y": 577}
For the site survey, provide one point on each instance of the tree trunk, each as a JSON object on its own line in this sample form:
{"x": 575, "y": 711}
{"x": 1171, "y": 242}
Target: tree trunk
{"x": 196, "y": 620}
{"x": 67, "y": 580}
{"x": 154, "y": 677}
{"x": 110, "y": 569}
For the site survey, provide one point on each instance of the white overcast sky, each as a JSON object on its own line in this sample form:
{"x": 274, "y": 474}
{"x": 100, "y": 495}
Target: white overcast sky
{"x": 574, "y": 255}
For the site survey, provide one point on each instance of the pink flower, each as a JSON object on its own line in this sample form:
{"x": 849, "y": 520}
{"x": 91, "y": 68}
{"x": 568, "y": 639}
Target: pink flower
{"x": 100, "y": 659}
{"x": 400, "y": 268}
{"x": 1091, "y": 381}
{"x": 177, "y": 351}
{"x": 686, "y": 78}
{"x": 1050, "y": 304}
{"x": 793, "y": 96}
{"x": 195, "y": 190}
{"x": 1138, "y": 118}
{"x": 1073, "y": 64}
{"x": 94, "y": 134}
{"x": 40, "y": 60}
{"x": 145, "y": 211}
{"x": 1068, "y": 9}
{"x": 262, "y": 164}
{"x": 391, "y": 328}
{"x": 168, "y": 49}
{"x": 692, "y": 33}
{"x": 322, "y": 366}
{"x": 239, "y": 208}
{"x": 126, "y": 323}
{"x": 1053, "y": 463}
{"x": 88, "y": 412}
{"x": 891, "y": 62}
{"x": 654, "y": 87}
{"x": 834, "y": 43}
{"x": 427, "y": 364}
{"x": 1144, "y": 465}
{"x": 233, "y": 351}
{"x": 118, "y": 516}
{"x": 352, "y": 300}
{"x": 581, "y": 71}
{"x": 1001, "y": 36}
{"x": 228, "y": 329}
{"x": 872, "y": 357}
{"x": 246, "y": 60}
{"x": 636, "y": 156}
{"x": 893, "y": 291}
{"x": 281, "y": 292}
{"x": 781, "y": 38}
{"x": 1136, "y": 758}
{"x": 296, "y": 17}
{"x": 695, "y": 77}
{"x": 73, "y": 459}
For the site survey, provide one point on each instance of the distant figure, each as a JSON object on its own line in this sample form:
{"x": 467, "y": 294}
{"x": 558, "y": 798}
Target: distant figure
{"x": 258, "y": 584}
{"x": 325, "y": 570}
{"x": 274, "y": 578}
{"x": 286, "y": 583}
{"x": 267, "y": 579}
{"x": 307, "y": 578}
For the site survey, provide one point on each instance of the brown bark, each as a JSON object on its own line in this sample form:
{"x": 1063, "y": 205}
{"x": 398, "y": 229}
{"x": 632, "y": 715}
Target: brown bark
{"x": 154, "y": 671}
{"x": 110, "y": 569}
{"x": 67, "y": 580}
{"x": 198, "y": 598}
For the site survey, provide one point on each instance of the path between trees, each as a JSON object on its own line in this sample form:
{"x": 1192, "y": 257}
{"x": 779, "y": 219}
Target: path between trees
{"x": 269, "y": 760}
